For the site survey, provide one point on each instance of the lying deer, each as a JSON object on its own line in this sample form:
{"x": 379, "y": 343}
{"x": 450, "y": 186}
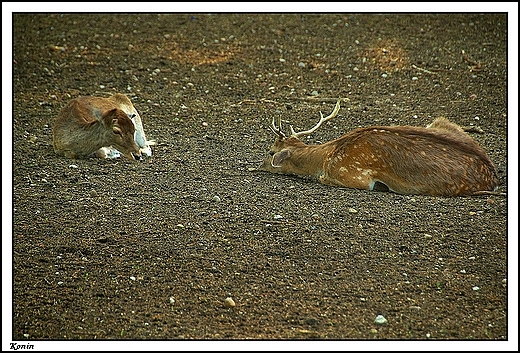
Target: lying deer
{"x": 439, "y": 160}
{"x": 105, "y": 127}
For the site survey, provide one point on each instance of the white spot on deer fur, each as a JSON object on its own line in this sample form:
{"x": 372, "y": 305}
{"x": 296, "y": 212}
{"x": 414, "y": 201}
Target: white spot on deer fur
{"x": 367, "y": 172}
{"x": 343, "y": 170}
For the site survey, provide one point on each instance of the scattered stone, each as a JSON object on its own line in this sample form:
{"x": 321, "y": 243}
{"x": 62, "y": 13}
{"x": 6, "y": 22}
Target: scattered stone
{"x": 352, "y": 210}
{"x": 216, "y": 198}
{"x": 380, "y": 320}
{"x": 229, "y": 302}
{"x": 277, "y": 216}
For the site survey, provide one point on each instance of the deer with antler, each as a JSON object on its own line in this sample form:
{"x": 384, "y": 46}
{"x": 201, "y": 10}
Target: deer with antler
{"x": 438, "y": 160}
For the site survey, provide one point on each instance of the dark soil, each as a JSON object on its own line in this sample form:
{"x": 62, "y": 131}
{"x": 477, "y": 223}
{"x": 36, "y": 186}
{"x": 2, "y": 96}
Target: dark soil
{"x": 115, "y": 249}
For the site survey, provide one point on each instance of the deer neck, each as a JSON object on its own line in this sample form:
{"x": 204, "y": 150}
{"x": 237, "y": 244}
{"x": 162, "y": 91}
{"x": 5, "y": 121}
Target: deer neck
{"x": 93, "y": 136}
{"x": 308, "y": 159}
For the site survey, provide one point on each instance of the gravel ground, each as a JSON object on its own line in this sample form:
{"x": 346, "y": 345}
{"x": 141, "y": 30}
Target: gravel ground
{"x": 150, "y": 250}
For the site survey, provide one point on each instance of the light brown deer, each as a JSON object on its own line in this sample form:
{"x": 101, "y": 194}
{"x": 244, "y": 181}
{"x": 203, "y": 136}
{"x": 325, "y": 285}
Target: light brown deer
{"x": 105, "y": 127}
{"x": 439, "y": 160}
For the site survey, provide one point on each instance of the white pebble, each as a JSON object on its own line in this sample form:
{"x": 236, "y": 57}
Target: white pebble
{"x": 132, "y": 278}
{"x": 277, "y": 216}
{"x": 352, "y": 210}
{"x": 476, "y": 288}
{"x": 172, "y": 300}
{"x": 415, "y": 78}
{"x": 229, "y": 302}
{"x": 216, "y": 198}
{"x": 73, "y": 166}
{"x": 380, "y": 319}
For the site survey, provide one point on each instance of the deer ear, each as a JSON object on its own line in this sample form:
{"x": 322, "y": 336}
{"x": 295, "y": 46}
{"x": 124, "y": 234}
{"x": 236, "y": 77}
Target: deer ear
{"x": 109, "y": 118}
{"x": 280, "y": 157}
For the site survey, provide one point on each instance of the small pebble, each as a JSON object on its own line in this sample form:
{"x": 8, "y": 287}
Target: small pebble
{"x": 380, "y": 319}
{"x": 229, "y": 302}
{"x": 216, "y": 198}
{"x": 352, "y": 210}
{"x": 172, "y": 300}
{"x": 132, "y": 278}
{"x": 277, "y": 216}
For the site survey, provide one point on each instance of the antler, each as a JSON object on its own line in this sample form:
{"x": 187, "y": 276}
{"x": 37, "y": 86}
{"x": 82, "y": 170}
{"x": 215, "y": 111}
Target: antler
{"x": 277, "y": 130}
{"x": 322, "y": 120}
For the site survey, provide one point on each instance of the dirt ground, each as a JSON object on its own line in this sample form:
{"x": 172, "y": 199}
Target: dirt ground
{"x": 150, "y": 250}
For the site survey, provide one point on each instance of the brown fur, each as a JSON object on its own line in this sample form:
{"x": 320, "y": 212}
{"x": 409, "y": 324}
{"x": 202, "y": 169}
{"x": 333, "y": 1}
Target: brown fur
{"x": 86, "y": 124}
{"x": 440, "y": 160}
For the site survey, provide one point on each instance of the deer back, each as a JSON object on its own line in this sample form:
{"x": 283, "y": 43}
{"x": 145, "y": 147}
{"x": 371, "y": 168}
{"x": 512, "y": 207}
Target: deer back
{"x": 410, "y": 160}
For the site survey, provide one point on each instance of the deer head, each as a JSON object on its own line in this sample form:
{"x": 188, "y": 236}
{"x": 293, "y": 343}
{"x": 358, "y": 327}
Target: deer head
{"x": 120, "y": 132}
{"x": 287, "y": 151}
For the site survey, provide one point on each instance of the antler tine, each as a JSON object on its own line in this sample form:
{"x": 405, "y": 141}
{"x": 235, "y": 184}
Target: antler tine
{"x": 322, "y": 120}
{"x": 277, "y": 130}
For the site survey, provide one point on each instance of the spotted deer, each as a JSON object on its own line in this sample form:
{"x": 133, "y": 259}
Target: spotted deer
{"x": 105, "y": 127}
{"x": 438, "y": 160}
